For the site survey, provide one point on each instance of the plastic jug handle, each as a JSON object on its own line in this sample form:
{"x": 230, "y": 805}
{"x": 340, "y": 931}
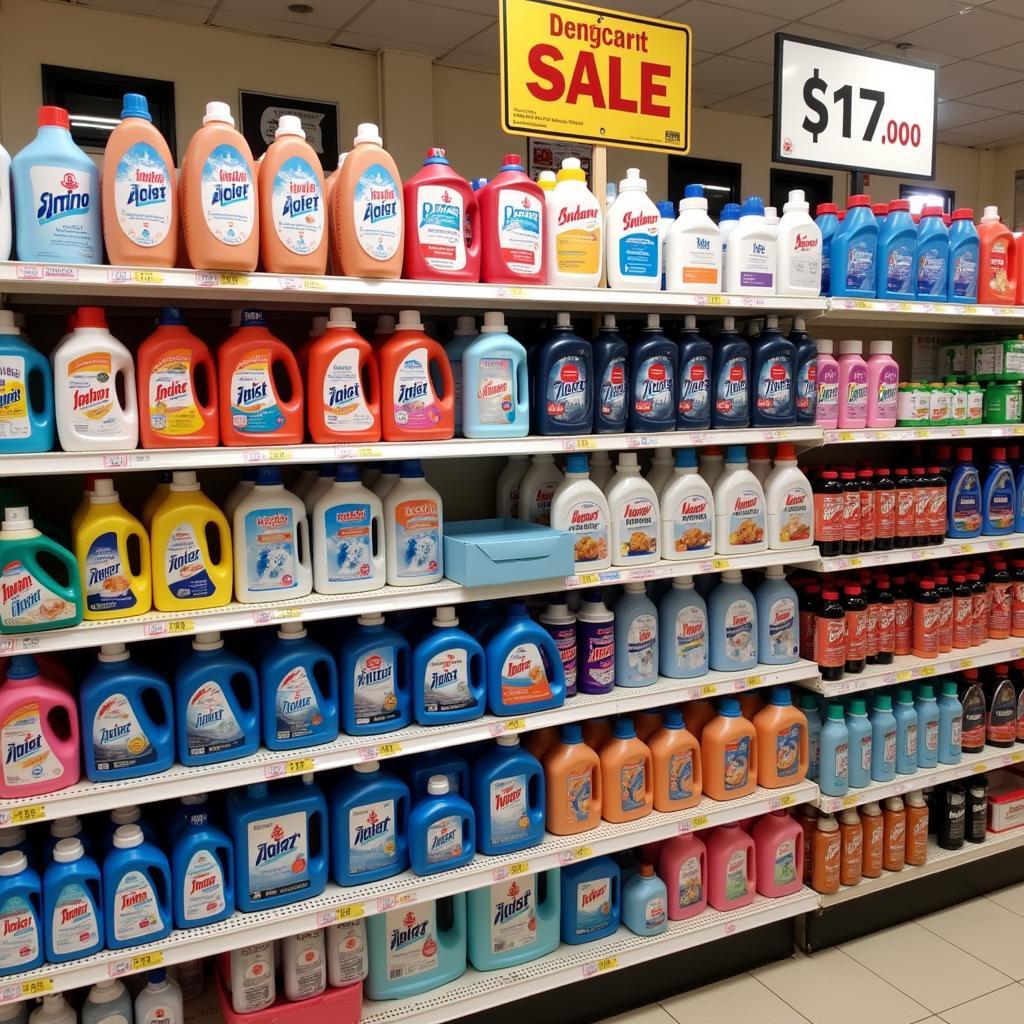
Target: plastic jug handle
{"x": 145, "y": 557}
{"x": 130, "y": 395}
{"x": 38, "y": 363}
{"x": 439, "y": 356}
{"x": 67, "y": 749}
{"x": 224, "y": 532}
{"x": 206, "y": 360}
{"x": 473, "y": 216}
{"x": 698, "y": 776}
{"x": 373, "y": 384}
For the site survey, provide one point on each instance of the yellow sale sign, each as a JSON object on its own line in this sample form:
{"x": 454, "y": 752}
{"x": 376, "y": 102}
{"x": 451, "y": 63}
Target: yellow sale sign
{"x": 570, "y": 71}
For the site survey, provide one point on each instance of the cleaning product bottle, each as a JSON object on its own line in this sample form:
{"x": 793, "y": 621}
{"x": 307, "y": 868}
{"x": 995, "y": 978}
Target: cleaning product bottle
{"x": 826, "y": 371}
{"x": 696, "y": 354}
{"x": 72, "y": 908}
{"x": 779, "y": 854}
{"x": 732, "y": 869}
{"x": 495, "y": 383}
{"x": 632, "y": 226}
{"x": 524, "y": 668}
{"x": 728, "y": 752}
{"x": 136, "y": 891}
{"x": 783, "y": 749}
{"x": 303, "y": 965}
{"x": 825, "y": 216}
{"x": 634, "y": 515}
{"x": 611, "y": 398}
{"x": 907, "y": 733}
{"x": 591, "y": 900}
{"x": 998, "y": 260}
{"x": 645, "y": 903}
{"x": 579, "y": 507}
{"x": 537, "y": 490}
{"x": 22, "y": 948}
{"x": 6, "y": 238}
{"x": 448, "y": 678}
{"x": 790, "y": 503}
{"x": 202, "y": 879}
{"x": 752, "y": 261}
{"x": 508, "y": 798}
{"x": 732, "y": 620}
{"x": 636, "y": 638}
{"x": 932, "y": 255}
{"x": 853, "y": 385}
{"x": 730, "y": 372}
{"x": 573, "y": 225}
{"x": 740, "y": 520}
{"x": 26, "y": 391}
{"x": 964, "y": 506}
{"x": 160, "y": 1001}
{"x": 693, "y": 247}
{"x": 951, "y": 713}
{"x": 512, "y": 226}
{"x": 413, "y": 524}
{"x": 676, "y": 765}
{"x": 572, "y": 784}
{"x": 442, "y": 830}
{"x": 927, "y": 727}
{"x": 653, "y": 372}
{"x": 562, "y": 382}
{"x": 514, "y": 921}
{"x": 778, "y": 623}
{"x": 682, "y": 631}
{"x": 127, "y": 718}
{"x": 998, "y": 496}
{"x": 682, "y": 865}
{"x": 687, "y": 510}
{"x": 347, "y": 960}
{"x": 964, "y": 242}
{"x": 108, "y": 1002}
{"x": 373, "y": 668}
{"x": 509, "y": 486}
{"x": 806, "y": 382}
{"x": 883, "y": 384}
{"x": 896, "y": 263}
{"x": 834, "y": 766}
{"x": 561, "y": 625}
{"x": 799, "y": 249}
{"x": 595, "y": 644}
{"x": 854, "y": 251}
{"x": 883, "y": 739}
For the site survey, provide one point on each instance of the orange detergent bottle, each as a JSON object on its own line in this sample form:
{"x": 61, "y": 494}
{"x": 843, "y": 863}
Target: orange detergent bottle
{"x": 597, "y": 732}
{"x": 997, "y": 260}
{"x": 696, "y": 715}
{"x": 782, "y": 741}
{"x": 572, "y": 784}
{"x": 675, "y": 755}
{"x": 728, "y": 753}
{"x": 646, "y": 723}
{"x": 177, "y": 387}
{"x": 627, "y": 775}
{"x": 252, "y": 366}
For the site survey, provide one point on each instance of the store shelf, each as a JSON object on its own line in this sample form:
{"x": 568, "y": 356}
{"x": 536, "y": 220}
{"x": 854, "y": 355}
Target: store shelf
{"x": 155, "y": 625}
{"x": 339, "y": 904}
{"x": 986, "y": 760}
{"x": 932, "y": 315}
{"x": 476, "y": 991}
{"x": 947, "y": 549}
{"x": 96, "y": 797}
{"x": 966, "y": 433}
{"x": 938, "y": 860}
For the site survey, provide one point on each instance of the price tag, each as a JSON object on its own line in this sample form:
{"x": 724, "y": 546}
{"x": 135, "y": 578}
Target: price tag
{"x": 979, "y": 768}
{"x": 369, "y": 453}
{"x": 966, "y": 549}
{"x": 608, "y": 963}
{"x": 280, "y": 455}
{"x": 966, "y": 662}
{"x": 847, "y": 435}
{"x": 785, "y": 800}
{"x": 118, "y": 461}
{"x": 507, "y": 292}
{"x": 685, "y": 827}
{"x": 708, "y": 690}
{"x": 1017, "y": 756}
{"x": 234, "y": 281}
{"x": 515, "y": 725}
{"x": 700, "y": 821}
{"x": 583, "y": 852}
{"x": 314, "y": 284}
{"x": 300, "y": 766}
{"x": 720, "y": 563}
{"x": 589, "y": 579}
{"x": 147, "y": 961}
{"x": 350, "y": 911}
{"x": 147, "y": 277}
{"x": 903, "y": 675}
{"x": 26, "y": 815}
{"x": 710, "y": 300}
{"x": 586, "y": 444}
{"x": 519, "y": 868}
{"x": 36, "y": 987}
{"x": 927, "y": 670}
{"x": 389, "y": 749}
{"x": 850, "y": 801}
{"x": 754, "y": 680}
{"x": 181, "y": 626}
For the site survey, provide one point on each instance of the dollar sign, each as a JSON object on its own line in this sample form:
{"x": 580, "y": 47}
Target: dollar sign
{"x": 813, "y": 85}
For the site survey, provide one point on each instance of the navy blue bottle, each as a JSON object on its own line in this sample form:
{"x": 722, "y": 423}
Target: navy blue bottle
{"x": 730, "y": 378}
{"x": 773, "y": 378}
{"x": 806, "y": 372}
{"x": 693, "y": 407}
{"x": 562, "y": 382}
{"x": 611, "y": 398}
{"x": 653, "y": 366}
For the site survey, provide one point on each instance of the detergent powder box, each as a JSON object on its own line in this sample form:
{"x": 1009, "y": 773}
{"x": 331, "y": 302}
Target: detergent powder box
{"x": 484, "y": 551}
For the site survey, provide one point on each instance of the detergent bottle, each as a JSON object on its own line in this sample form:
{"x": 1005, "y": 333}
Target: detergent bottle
{"x": 732, "y": 621}
{"x": 896, "y": 263}
{"x": 465, "y": 332}
{"x": 825, "y": 216}
{"x": 751, "y": 266}
{"x": 694, "y": 247}
{"x": 572, "y": 784}
{"x": 730, "y": 375}
{"x": 998, "y": 496}
{"x": 595, "y": 645}
{"x": 653, "y": 372}
{"x": 627, "y": 775}
{"x": 573, "y": 223}
{"x": 591, "y": 900}
{"x": 514, "y": 921}
{"x": 271, "y": 542}
{"x": 410, "y": 364}
{"x": 56, "y": 190}
{"x": 645, "y": 902}
{"x": 561, "y": 624}
{"x": 964, "y": 506}
{"x": 732, "y": 868}
{"x": 448, "y": 678}
{"x": 562, "y": 382}
{"x": 251, "y": 366}
{"x": 72, "y": 904}
{"x": 40, "y": 733}
{"x": 112, "y": 548}
{"x": 611, "y": 400}
{"x": 636, "y": 638}
{"x": 806, "y": 383}
{"x": 136, "y": 890}
{"x": 524, "y": 668}
{"x": 26, "y": 393}
{"x": 88, "y": 365}
{"x": 675, "y": 757}
{"x": 22, "y": 946}
{"x": 687, "y": 510}
{"x": 998, "y": 261}
{"x": 790, "y": 502}
{"x": 185, "y": 576}
{"x": 740, "y": 520}
{"x": 202, "y": 863}
{"x": 440, "y": 212}
{"x": 782, "y": 741}
{"x": 512, "y": 226}
{"x": 634, "y": 515}
{"x": 246, "y": 482}
{"x": 343, "y": 371}
{"x": 140, "y": 199}
{"x": 854, "y": 251}
{"x": 962, "y": 270}
{"x": 298, "y": 684}
{"x": 682, "y": 631}
{"x": 883, "y": 385}
{"x": 581, "y": 509}
{"x": 127, "y": 718}
{"x": 216, "y": 704}
{"x": 632, "y": 226}
{"x": 442, "y": 830}
{"x": 495, "y": 383}
{"x": 799, "y": 249}
{"x": 373, "y": 669}
{"x": 683, "y": 868}
{"x": 779, "y": 854}
{"x": 508, "y": 798}
{"x": 696, "y": 355}
{"x": 932, "y": 255}
{"x": 729, "y": 754}
{"x": 367, "y": 218}
{"x": 293, "y": 215}
{"x": 778, "y": 623}
{"x": 108, "y": 1002}
{"x": 369, "y": 810}
{"x": 853, "y": 385}
{"x": 219, "y": 205}
{"x": 414, "y": 528}
{"x": 773, "y": 378}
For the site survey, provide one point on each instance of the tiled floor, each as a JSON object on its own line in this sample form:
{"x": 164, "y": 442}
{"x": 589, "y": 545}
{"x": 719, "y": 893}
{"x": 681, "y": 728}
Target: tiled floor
{"x": 964, "y": 965}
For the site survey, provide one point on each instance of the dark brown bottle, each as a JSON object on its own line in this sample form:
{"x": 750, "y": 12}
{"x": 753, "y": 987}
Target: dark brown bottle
{"x": 922, "y": 503}
{"x": 885, "y": 509}
{"x": 886, "y": 621}
{"x": 828, "y": 514}
{"x": 856, "y": 609}
{"x": 904, "y": 509}
{"x": 830, "y": 636}
{"x": 866, "y": 482}
{"x": 808, "y": 598}
{"x": 976, "y": 810}
{"x": 851, "y": 512}
{"x": 945, "y": 592}
{"x": 952, "y": 813}
{"x": 936, "y": 505}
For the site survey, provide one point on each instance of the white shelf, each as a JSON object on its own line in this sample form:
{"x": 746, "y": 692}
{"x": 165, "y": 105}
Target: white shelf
{"x": 907, "y": 313}
{"x": 338, "y": 904}
{"x": 961, "y": 433}
{"x": 94, "y": 797}
{"x": 155, "y": 625}
{"x": 986, "y": 760}
{"x": 938, "y": 860}
{"x": 947, "y": 549}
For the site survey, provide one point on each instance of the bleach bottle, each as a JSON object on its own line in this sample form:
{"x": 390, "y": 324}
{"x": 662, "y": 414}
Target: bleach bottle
{"x": 127, "y": 718}
{"x": 653, "y": 369}
{"x": 298, "y": 691}
{"x": 610, "y": 396}
{"x": 932, "y": 255}
{"x": 449, "y": 683}
{"x": 730, "y": 375}
{"x": 373, "y": 663}
{"x": 778, "y": 625}
{"x": 217, "y": 716}
{"x": 854, "y": 251}
{"x": 201, "y": 872}
{"x": 136, "y": 890}
{"x": 442, "y": 830}
{"x": 27, "y": 422}
{"x": 72, "y": 904}
{"x": 495, "y": 383}
{"x": 696, "y": 355}
{"x": 632, "y": 237}
{"x": 508, "y": 798}
{"x": 369, "y": 810}
{"x": 806, "y": 372}
{"x": 511, "y": 226}
{"x": 21, "y": 945}
{"x": 562, "y": 382}
{"x": 524, "y": 667}
{"x": 964, "y": 249}
{"x": 591, "y": 900}
{"x": 514, "y": 921}
{"x": 773, "y": 377}
{"x": 896, "y": 265}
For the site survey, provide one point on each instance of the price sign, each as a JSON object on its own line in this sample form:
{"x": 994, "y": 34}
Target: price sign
{"x": 847, "y": 109}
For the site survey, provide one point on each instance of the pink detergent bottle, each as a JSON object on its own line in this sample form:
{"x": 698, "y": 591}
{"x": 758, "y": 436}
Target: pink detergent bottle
{"x": 683, "y": 867}
{"x": 39, "y": 734}
{"x": 732, "y": 878}
{"x": 853, "y": 385}
{"x": 779, "y": 854}
{"x": 827, "y": 373}
{"x": 883, "y": 385}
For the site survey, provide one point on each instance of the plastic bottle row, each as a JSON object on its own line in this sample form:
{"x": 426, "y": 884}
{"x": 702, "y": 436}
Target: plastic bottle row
{"x": 955, "y": 404}
{"x": 987, "y": 358}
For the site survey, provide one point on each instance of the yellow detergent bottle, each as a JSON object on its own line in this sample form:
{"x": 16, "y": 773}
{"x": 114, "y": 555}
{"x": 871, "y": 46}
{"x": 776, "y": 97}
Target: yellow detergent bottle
{"x": 186, "y": 575}
{"x": 83, "y": 504}
{"x": 156, "y": 499}
{"x": 112, "y": 550}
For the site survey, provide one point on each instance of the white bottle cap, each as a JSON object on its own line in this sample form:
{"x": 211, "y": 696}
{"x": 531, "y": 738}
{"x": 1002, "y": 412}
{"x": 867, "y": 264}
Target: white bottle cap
{"x": 771, "y": 323}
{"x": 824, "y": 345}
{"x": 465, "y": 327}
{"x": 194, "y": 799}
{"x": 547, "y": 176}
{"x": 871, "y": 808}
{"x": 728, "y": 323}
{"x": 563, "y": 319}
{"x": 291, "y": 631}
{"x": 880, "y": 345}
{"x": 13, "y": 862}
{"x": 341, "y": 316}
{"x": 991, "y": 213}
{"x": 894, "y": 803}
{"x": 126, "y": 815}
{"x": 849, "y": 345}
{"x": 683, "y": 582}
{"x": 916, "y": 798}
{"x": 409, "y": 320}
{"x": 103, "y": 492}
{"x": 849, "y": 816}
{"x": 16, "y": 519}
{"x": 105, "y": 991}
{"x": 368, "y": 132}
{"x": 508, "y": 740}
{"x": 771, "y": 215}
{"x": 799, "y": 323}
{"x": 653, "y": 322}
{"x": 635, "y": 587}
{"x": 371, "y": 619}
{"x": 690, "y": 322}
{"x": 128, "y": 836}
{"x": 797, "y": 203}
{"x": 218, "y": 111}
{"x": 14, "y": 835}
{"x": 632, "y": 180}
{"x": 7, "y": 324}
{"x": 494, "y": 323}
{"x": 437, "y": 786}
{"x": 571, "y": 163}
{"x": 112, "y": 652}
{"x": 367, "y": 767}
{"x": 65, "y": 828}
{"x": 608, "y": 321}
{"x": 775, "y": 572}
{"x": 732, "y": 576}
{"x": 289, "y": 124}
{"x": 445, "y": 616}
{"x": 627, "y": 461}
{"x": 184, "y": 480}
{"x": 207, "y": 642}
{"x": 68, "y": 850}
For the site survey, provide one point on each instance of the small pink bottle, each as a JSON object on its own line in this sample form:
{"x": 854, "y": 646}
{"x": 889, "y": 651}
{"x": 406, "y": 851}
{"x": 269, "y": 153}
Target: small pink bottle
{"x": 853, "y": 385}
{"x": 732, "y": 873}
{"x": 683, "y": 867}
{"x": 883, "y": 385}
{"x": 779, "y": 854}
{"x": 827, "y": 374}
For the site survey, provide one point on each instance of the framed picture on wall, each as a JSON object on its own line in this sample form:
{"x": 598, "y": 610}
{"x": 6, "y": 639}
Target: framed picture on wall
{"x": 260, "y": 112}
{"x": 548, "y": 154}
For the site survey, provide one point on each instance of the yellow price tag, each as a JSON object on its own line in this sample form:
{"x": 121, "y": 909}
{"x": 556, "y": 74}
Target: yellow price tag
{"x": 608, "y": 963}
{"x": 300, "y": 766}
{"x": 904, "y": 675}
{"x": 147, "y": 961}
{"x": 708, "y": 690}
{"x": 862, "y": 304}
{"x": 369, "y": 453}
{"x": 716, "y": 300}
{"x": 234, "y": 281}
{"x": 1017, "y": 756}
{"x": 350, "y": 911}
{"x": 700, "y": 821}
{"x": 966, "y": 549}
{"x": 928, "y": 670}
{"x": 979, "y": 768}
{"x": 589, "y": 579}
{"x": 586, "y": 444}
{"x": 786, "y": 799}
{"x": 581, "y": 852}
{"x": 966, "y": 662}
{"x": 720, "y": 563}
{"x": 147, "y": 277}
{"x": 849, "y": 801}
{"x": 755, "y": 680}
{"x": 37, "y": 987}
{"x": 26, "y": 815}
{"x": 515, "y": 724}
{"x": 847, "y": 435}
{"x": 389, "y": 749}
{"x": 181, "y": 626}
{"x": 522, "y": 868}
{"x": 314, "y": 284}
{"x": 279, "y": 455}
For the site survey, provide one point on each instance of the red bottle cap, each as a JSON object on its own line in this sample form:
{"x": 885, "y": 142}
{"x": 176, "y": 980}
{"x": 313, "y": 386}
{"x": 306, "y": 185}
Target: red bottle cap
{"x": 964, "y": 454}
{"x": 53, "y": 117}
{"x": 91, "y": 316}
{"x": 865, "y": 474}
{"x": 852, "y": 590}
{"x": 858, "y": 200}
{"x": 927, "y": 584}
{"x": 932, "y": 211}
{"x": 899, "y": 204}
{"x": 785, "y": 451}
{"x": 829, "y": 474}
{"x": 964, "y": 213}
{"x": 879, "y": 209}
{"x": 999, "y": 454}
{"x": 823, "y": 208}
{"x": 830, "y": 595}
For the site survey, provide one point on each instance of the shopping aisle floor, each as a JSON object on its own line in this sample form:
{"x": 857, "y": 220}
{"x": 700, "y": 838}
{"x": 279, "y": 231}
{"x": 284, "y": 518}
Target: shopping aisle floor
{"x": 964, "y": 965}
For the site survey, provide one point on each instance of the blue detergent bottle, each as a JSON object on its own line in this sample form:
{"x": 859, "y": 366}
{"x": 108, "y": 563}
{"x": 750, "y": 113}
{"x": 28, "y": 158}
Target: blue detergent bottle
{"x": 202, "y": 870}
{"x": 514, "y": 921}
{"x": 834, "y": 767}
{"x": 732, "y": 624}
{"x": 951, "y": 717}
{"x": 63, "y": 828}
{"x": 374, "y": 672}
{"x": 449, "y": 681}
{"x": 127, "y": 718}
{"x": 28, "y": 392}
{"x": 562, "y": 382}
{"x": 495, "y": 383}
{"x": 279, "y": 837}
{"x": 653, "y": 368}
{"x": 927, "y": 727}
{"x": 932, "y": 255}
{"x": 524, "y": 668}
{"x": 907, "y": 733}
{"x": 465, "y": 332}
{"x": 298, "y": 691}
{"x": 508, "y": 798}
{"x": 682, "y": 631}
{"x": 998, "y": 496}
{"x": 72, "y": 904}
{"x": 964, "y": 246}
{"x": 964, "y": 502}
{"x": 854, "y": 251}
{"x": 369, "y": 809}
{"x": 416, "y": 949}
{"x": 859, "y": 729}
{"x": 216, "y": 705}
{"x": 636, "y": 637}
{"x": 130, "y": 814}
{"x": 772, "y": 378}
{"x": 696, "y": 356}
{"x": 136, "y": 890}
{"x": 883, "y": 740}
{"x": 730, "y": 375}
{"x": 808, "y": 704}
{"x": 21, "y": 945}
{"x": 645, "y": 903}
{"x": 611, "y": 395}
{"x": 449, "y": 763}
{"x": 806, "y": 372}
{"x": 442, "y": 830}
{"x": 826, "y": 217}
{"x": 591, "y": 900}
{"x": 778, "y": 620}
{"x": 896, "y": 265}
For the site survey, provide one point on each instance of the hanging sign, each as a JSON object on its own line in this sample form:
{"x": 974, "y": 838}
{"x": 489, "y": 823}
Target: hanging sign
{"x": 851, "y": 110}
{"x": 570, "y": 71}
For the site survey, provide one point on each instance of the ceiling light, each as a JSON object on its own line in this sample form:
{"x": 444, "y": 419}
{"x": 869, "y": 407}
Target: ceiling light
{"x": 300, "y": 8}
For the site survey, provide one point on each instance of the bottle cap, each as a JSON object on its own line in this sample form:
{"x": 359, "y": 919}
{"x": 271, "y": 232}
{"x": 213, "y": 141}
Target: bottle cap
{"x": 103, "y": 492}
{"x": 851, "y": 345}
{"x": 134, "y": 104}
{"x": 825, "y": 208}
{"x": 368, "y": 132}
{"x": 785, "y": 452}
{"x": 547, "y": 180}
{"x": 157, "y": 977}
{"x": 216, "y": 110}
{"x": 880, "y": 346}
{"x": 184, "y": 480}
{"x": 686, "y": 458}
{"x": 438, "y": 785}
{"x": 445, "y": 616}
{"x": 128, "y": 836}
{"x": 753, "y": 206}
{"x": 571, "y": 732}
{"x": 932, "y": 211}
{"x": 883, "y": 702}
{"x": 623, "y": 728}
{"x": 736, "y": 454}
{"x": 901, "y": 205}
{"x": 572, "y": 170}
{"x": 827, "y": 823}
{"x": 340, "y": 316}
{"x": 673, "y": 719}
{"x": 880, "y": 209}
{"x": 835, "y": 712}
{"x": 112, "y": 652}
{"x": 207, "y": 642}
{"x": 409, "y": 320}
{"x": 563, "y": 320}
{"x": 65, "y": 828}
{"x": 729, "y": 707}
{"x": 780, "y": 695}
{"x": 858, "y": 706}
{"x": 894, "y": 803}
{"x": 797, "y": 202}
{"x": 858, "y": 200}
{"x": 627, "y": 461}
{"x": 494, "y": 322}
{"x": 367, "y": 767}
{"x": 632, "y": 180}
{"x": 508, "y": 740}
{"x": 126, "y": 815}
{"x": 653, "y": 322}
{"x": 665, "y": 209}
{"x": 731, "y": 211}
{"x": 68, "y": 850}
{"x": 576, "y": 463}
{"x": 291, "y": 631}
{"x": 53, "y": 117}
{"x": 964, "y": 213}
{"x": 13, "y": 862}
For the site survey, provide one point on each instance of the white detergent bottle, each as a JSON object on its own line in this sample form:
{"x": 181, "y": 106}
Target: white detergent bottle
{"x": 347, "y": 960}
{"x": 750, "y": 268}
{"x": 347, "y": 525}
{"x": 414, "y": 527}
{"x": 687, "y": 511}
{"x": 632, "y": 237}
{"x": 108, "y": 1002}
{"x": 712, "y": 464}
{"x": 303, "y": 965}
{"x": 253, "y": 986}
{"x": 160, "y": 1001}
{"x": 799, "y": 249}
{"x": 601, "y": 469}
{"x": 634, "y": 515}
{"x": 320, "y": 486}
{"x": 740, "y": 519}
{"x": 573, "y": 226}
{"x": 509, "y": 481}
{"x": 579, "y": 508}
{"x": 693, "y": 249}
{"x": 537, "y": 490}
{"x": 660, "y": 470}
{"x": 790, "y": 503}
{"x": 54, "y": 1010}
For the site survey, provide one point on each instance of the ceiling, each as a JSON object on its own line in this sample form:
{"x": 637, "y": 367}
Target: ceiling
{"x": 978, "y": 47}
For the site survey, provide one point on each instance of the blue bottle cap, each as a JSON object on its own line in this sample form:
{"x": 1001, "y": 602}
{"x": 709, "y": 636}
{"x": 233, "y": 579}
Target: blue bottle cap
{"x": 251, "y": 318}
{"x": 411, "y": 468}
{"x": 170, "y": 316}
{"x": 686, "y": 458}
{"x": 478, "y": 183}
{"x": 693, "y": 192}
{"x": 134, "y": 104}
{"x": 731, "y": 211}
{"x": 267, "y": 475}
{"x": 729, "y": 707}
{"x": 517, "y": 610}
{"x": 435, "y": 155}
{"x": 22, "y": 666}
{"x": 666, "y": 209}
{"x": 572, "y": 733}
{"x": 576, "y": 463}
{"x": 348, "y": 472}
{"x": 736, "y": 453}
{"x": 157, "y": 976}
{"x": 780, "y": 697}
{"x": 753, "y": 206}
{"x": 673, "y": 719}
{"x": 623, "y": 728}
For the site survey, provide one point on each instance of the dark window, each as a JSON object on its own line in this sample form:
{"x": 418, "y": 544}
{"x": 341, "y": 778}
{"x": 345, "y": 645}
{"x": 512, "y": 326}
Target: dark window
{"x": 817, "y": 187}
{"x": 924, "y": 195}
{"x": 721, "y": 181}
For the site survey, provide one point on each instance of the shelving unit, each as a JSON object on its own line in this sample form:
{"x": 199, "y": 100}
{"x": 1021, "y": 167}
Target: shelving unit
{"x": 932, "y": 552}
{"x": 907, "y": 314}
{"x": 964, "y": 433}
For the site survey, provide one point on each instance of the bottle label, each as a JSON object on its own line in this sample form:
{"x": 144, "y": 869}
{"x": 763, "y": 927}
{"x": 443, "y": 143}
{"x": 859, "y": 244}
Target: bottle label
{"x": 446, "y": 681}
{"x": 740, "y": 641}
{"x": 654, "y": 389}
{"x": 587, "y": 523}
{"x": 857, "y": 393}
{"x": 344, "y": 400}
{"x": 910, "y": 741}
{"x": 886, "y": 393}
{"x": 417, "y": 538}
{"x": 885, "y": 513}
{"x": 349, "y": 542}
{"x": 519, "y": 233}
{"x": 94, "y": 408}
{"x": 577, "y": 239}
{"x": 865, "y": 751}
{"x": 228, "y": 195}
{"x": 700, "y": 260}
{"x": 633, "y": 784}
{"x": 828, "y": 392}
{"x": 691, "y": 637}
{"x": 377, "y": 212}
{"x": 440, "y": 227}
{"x": 580, "y": 790}
{"x": 785, "y": 862}
{"x": 411, "y": 941}
{"x": 67, "y": 214}
{"x": 757, "y": 259}
{"x": 613, "y": 390}
{"x": 73, "y": 925}
{"x": 805, "y": 259}
{"x": 14, "y": 418}
{"x": 965, "y": 503}
{"x": 889, "y": 747}
{"x": 1002, "y": 715}
{"x": 254, "y": 406}
{"x": 692, "y": 522}
{"x": 851, "y": 515}
{"x": 185, "y": 565}
{"x": 828, "y": 516}
{"x": 593, "y": 906}
{"x": 796, "y": 517}
{"x": 746, "y": 518}
{"x": 564, "y": 636}
{"x": 642, "y": 647}
{"x": 655, "y": 913}
{"x": 347, "y": 951}
{"x": 297, "y": 207}
{"x": 270, "y": 557}
{"x": 637, "y": 527}
{"x": 807, "y": 388}
{"x": 639, "y": 247}
{"x": 510, "y": 810}
{"x": 695, "y": 388}
{"x": 376, "y": 697}
{"x": 372, "y": 837}
{"x": 278, "y": 856}
{"x": 782, "y": 628}
{"x": 1001, "y": 499}
{"x": 596, "y": 643}
{"x": 842, "y": 760}
{"x": 210, "y": 723}
{"x": 856, "y": 634}
{"x": 118, "y": 739}
{"x": 107, "y": 586}
{"x": 444, "y": 839}
{"x": 203, "y": 887}
{"x": 775, "y": 386}
{"x": 539, "y": 502}
{"x": 737, "y": 763}
{"x": 297, "y": 710}
{"x": 136, "y": 910}
{"x": 736, "y": 875}
{"x": 524, "y": 676}
{"x": 172, "y": 402}
{"x": 143, "y": 195}
{"x": 413, "y": 397}
{"x": 931, "y": 270}
{"x": 899, "y": 270}
{"x": 931, "y": 736}
{"x": 494, "y": 390}
{"x": 999, "y": 613}
{"x": 20, "y": 938}
{"x": 732, "y": 388}
{"x": 826, "y": 277}
{"x": 568, "y": 391}
{"x": 787, "y": 751}
{"x": 513, "y": 914}
{"x": 680, "y": 776}
{"x": 830, "y": 642}
{"x": 860, "y": 266}
{"x": 691, "y": 883}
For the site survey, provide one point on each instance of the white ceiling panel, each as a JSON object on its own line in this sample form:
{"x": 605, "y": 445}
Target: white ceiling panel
{"x": 1006, "y": 97}
{"x": 468, "y": 61}
{"x": 968, "y": 34}
{"x": 360, "y": 41}
{"x": 791, "y": 10}
{"x": 325, "y": 13}
{"x": 752, "y": 106}
{"x": 169, "y": 10}
{"x": 763, "y": 49}
{"x": 1005, "y": 57}
{"x": 1010, "y": 7}
{"x": 953, "y": 114}
{"x": 993, "y": 128}
{"x": 486, "y": 7}
{"x": 922, "y": 56}
{"x": 483, "y": 44}
{"x": 272, "y": 27}
{"x": 970, "y": 76}
{"x": 954, "y": 137}
{"x": 406, "y": 23}
{"x": 730, "y": 76}
{"x": 717, "y": 28}
{"x": 885, "y": 17}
